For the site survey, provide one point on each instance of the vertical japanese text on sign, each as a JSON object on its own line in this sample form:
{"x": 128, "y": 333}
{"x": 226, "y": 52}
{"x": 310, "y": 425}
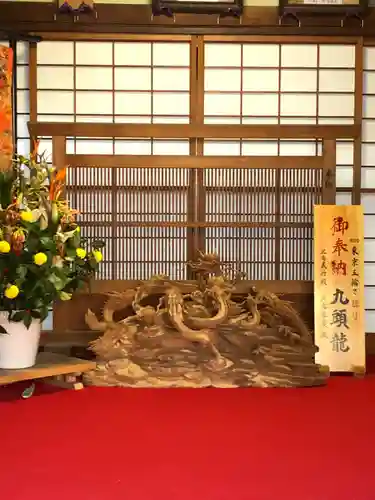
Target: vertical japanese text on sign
{"x": 339, "y": 328}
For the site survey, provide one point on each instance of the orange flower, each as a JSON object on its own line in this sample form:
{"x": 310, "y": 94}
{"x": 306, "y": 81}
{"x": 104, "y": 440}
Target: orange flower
{"x": 18, "y": 235}
{"x": 57, "y": 184}
{"x": 35, "y": 149}
{"x": 18, "y": 239}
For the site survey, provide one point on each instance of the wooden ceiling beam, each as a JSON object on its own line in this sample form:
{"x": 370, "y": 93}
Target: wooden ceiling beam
{"x": 119, "y": 19}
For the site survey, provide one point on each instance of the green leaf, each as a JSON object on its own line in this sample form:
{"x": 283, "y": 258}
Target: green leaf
{"x": 48, "y": 243}
{"x": 44, "y": 312}
{"x": 29, "y": 391}
{"x": 27, "y": 320}
{"x": 76, "y": 240}
{"x": 63, "y": 274}
{"x": 92, "y": 263}
{"x": 18, "y": 316}
{"x": 38, "y": 302}
{"x": 21, "y": 271}
{"x": 58, "y": 282}
{"x": 43, "y": 221}
{"x": 98, "y": 244}
{"x": 33, "y": 243}
{"x": 3, "y": 331}
{"x": 19, "y": 282}
{"x": 71, "y": 253}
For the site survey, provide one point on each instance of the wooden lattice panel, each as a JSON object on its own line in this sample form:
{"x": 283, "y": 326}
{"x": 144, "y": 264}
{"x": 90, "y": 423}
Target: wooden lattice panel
{"x": 133, "y": 209}
{"x": 279, "y": 203}
{"x": 257, "y": 219}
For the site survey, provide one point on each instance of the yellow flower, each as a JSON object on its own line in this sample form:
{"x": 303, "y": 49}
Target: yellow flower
{"x": 11, "y": 291}
{"x": 27, "y": 216}
{"x": 4, "y": 247}
{"x": 81, "y": 253}
{"x": 78, "y": 229}
{"x": 40, "y": 258}
{"x": 98, "y": 256}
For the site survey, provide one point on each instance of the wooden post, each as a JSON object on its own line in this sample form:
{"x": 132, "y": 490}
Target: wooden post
{"x": 59, "y": 152}
{"x": 329, "y": 172}
{"x": 59, "y": 155}
{"x": 358, "y": 113}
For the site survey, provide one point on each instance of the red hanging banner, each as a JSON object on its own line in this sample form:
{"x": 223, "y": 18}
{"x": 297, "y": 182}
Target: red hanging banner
{"x": 6, "y": 140}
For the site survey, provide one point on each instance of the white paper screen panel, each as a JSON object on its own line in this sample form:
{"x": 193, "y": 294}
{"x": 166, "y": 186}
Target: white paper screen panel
{"x": 23, "y": 104}
{"x": 121, "y": 82}
{"x": 118, "y": 82}
{"x": 279, "y": 83}
{"x": 114, "y": 82}
{"x": 368, "y": 182}
{"x": 254, "y": 83}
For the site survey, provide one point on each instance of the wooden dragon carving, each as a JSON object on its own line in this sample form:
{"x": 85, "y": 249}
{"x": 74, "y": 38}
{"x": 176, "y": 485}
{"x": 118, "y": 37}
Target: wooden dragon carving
{"x": 163, "y": 334}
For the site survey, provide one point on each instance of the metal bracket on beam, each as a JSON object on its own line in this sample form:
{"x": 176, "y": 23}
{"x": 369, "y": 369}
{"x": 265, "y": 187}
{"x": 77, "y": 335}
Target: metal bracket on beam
{"x": 163, "y": 12}
{"x": 286, "y": 15}
{"x": 229, "y": 13}
{"x": 355, "y": 15}
{"x": 74, "y": 9}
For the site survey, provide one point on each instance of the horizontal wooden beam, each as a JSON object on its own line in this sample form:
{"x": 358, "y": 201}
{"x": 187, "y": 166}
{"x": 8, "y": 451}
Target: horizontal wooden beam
{"x": 137, "y": 19}
{"x": 149, "y": 37}
{"x": 196, "y": 162}
{"x": 186, "y": 224}
{"x": 193, "y": 131}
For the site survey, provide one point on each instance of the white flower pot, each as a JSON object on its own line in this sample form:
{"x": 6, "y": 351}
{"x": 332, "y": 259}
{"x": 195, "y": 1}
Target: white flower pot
{"x": 19, "y": 346}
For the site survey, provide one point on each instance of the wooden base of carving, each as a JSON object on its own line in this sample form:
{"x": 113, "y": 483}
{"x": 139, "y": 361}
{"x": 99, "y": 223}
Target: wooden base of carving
{"x": 69, "y": 381}
{"x": 359, "y": 371}
{"x": 156, "y": 336}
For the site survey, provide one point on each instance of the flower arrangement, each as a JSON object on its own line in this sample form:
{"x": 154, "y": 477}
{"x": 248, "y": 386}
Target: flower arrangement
{"x": 43, "y": 256}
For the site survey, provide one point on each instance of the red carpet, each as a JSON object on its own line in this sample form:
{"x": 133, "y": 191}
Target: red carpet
{"x": 200, "y": 444}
